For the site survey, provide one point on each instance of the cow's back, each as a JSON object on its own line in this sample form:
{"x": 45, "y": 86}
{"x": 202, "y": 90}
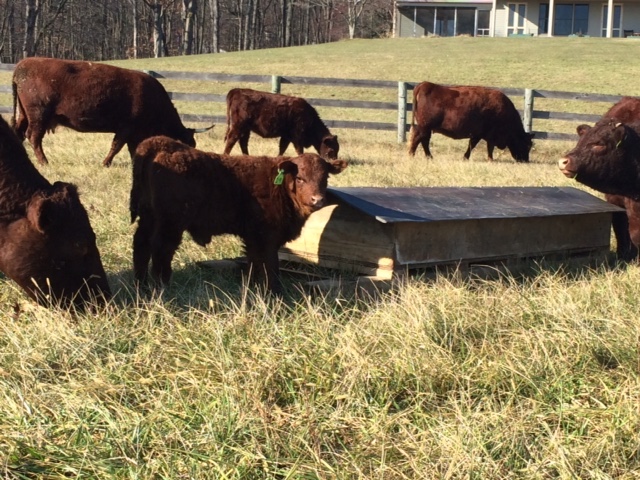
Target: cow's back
{"x": 627, "y": 110}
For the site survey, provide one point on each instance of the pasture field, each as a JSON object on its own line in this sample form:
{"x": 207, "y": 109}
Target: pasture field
{"x": 523, "y": 377}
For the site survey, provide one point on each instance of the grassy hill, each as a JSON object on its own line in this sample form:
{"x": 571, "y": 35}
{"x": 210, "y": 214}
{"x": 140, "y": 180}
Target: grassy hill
{"x": 530, "y": 377}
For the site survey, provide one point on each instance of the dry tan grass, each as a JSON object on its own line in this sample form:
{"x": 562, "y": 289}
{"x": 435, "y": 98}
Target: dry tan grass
{"x": 517, "y": 377}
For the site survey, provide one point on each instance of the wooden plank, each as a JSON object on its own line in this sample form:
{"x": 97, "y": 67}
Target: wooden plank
{"x": 577, "y": 117}
{"x": 197, "y": 97}
{"x": 352, "y": 242}
{"x": 555, "y": 136}
{"x": 587, "y": 97}
{"x": 325, "y": 102}
{"x": 482, "y": 239}
{"x": 339, "y": 82}
{"x": 209, "y": 119}
{"x": 210, "y": 77}
{"x": 360, "y": 125}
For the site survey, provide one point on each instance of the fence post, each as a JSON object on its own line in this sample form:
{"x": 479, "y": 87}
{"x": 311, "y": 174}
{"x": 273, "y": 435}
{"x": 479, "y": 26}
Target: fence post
{"x": 527, "y": 121}
{"x": 402, "y": 112}
{"x": 276, "y": 80}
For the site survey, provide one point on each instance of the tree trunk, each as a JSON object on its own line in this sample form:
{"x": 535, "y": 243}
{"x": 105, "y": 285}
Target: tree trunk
{"x": 30, "y": 20}
{"x": 134, "y": 46}
{"x": 190, "y": 8}
{"x": 215, "y": 27}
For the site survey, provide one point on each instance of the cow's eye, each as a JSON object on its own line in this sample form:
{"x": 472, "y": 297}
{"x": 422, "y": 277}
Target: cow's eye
{"x": 299, "y": 180}
{"x": 597, "y": 148}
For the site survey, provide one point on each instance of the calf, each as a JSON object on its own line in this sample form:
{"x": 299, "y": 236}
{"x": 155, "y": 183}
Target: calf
{"x": 607, "y": 158}
{"x": 272, "y": 115}
{"x": 263, "y": 200}
{"x": 476, "y": 113}
{"x": 47, "y": 245}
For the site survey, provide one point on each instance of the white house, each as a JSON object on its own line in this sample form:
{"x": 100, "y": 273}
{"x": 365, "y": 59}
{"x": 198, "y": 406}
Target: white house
{"x": 500, "y": 18}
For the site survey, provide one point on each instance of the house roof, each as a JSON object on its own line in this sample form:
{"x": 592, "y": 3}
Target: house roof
{"x": 430, "y": 204}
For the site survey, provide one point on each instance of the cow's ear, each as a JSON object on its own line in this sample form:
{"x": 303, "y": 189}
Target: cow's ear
{"x": 287, "y": 166}
{"x": 41, "y": 214}
{"x": 336, "y": 166}
{"x": 582, "y": 129}
{"x": 619, "y": 134}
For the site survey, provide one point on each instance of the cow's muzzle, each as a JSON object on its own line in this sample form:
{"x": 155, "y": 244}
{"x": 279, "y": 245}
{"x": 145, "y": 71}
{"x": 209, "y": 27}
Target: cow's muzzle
{"x": 563, "y": 165}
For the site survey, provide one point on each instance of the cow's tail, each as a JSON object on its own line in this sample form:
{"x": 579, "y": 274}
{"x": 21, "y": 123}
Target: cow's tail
{"x": 138, "y": 162}
{"x": 226, "y": 133}
{"x": 412, "y": 129}
{"x": 14, "y": 89}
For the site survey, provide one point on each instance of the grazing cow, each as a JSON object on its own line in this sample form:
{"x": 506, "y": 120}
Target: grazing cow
{"x": 476, "y": 113}
{"x": 607, "y": 158}
{"x": 47, "y": 245}
{"x": 272, "y": 115}
{"x": 263, "y": 200}
{"x": 92, "y": 97}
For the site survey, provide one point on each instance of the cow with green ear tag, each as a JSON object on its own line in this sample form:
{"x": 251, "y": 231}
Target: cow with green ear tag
{"x": 263, "y": 200}
{"x": 47, "y": 245}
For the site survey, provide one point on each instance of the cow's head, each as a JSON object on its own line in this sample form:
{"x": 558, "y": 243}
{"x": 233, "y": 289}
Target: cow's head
{"x": 305, "y": 178}
{"x": 51, "y": 252}
{"x": 521, "y": 146}
{"x": 606, "y": 158}
{"x": 329, "y": 147}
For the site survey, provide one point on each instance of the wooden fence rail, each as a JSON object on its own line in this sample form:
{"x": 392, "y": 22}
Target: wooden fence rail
{"x": 402, "y": 106}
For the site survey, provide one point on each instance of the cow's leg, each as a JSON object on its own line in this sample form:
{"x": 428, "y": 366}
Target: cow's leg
{"x": 36, "y": 134}
{"x": 164, "y": 243}
{"x": 230, "y": 139}
{"x": 264, "y": 264}
{"x": 633, "y": 220}
{"x": 472, "y": 144}
{"x": 621, "y": 228}
{"x": 420, "y": 137}
{"x": 142, "y": 247}
{"x": 244, "y": 142}
{"x": 284, "y": 144}
{"x": 119, "y": 141}
{"x": 490, "y": 147}
{"x": 20, "y": 128}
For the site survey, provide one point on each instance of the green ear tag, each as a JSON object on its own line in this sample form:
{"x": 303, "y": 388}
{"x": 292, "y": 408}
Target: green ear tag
{"x": 279, "y": 178}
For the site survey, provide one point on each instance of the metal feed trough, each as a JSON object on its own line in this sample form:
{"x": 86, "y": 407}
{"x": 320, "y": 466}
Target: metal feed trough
{"x": 385, "y": 231}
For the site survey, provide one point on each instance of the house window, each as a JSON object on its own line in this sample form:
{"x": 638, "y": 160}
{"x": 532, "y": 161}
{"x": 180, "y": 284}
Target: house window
{"x": 543, "y": 18}
{"x": 571, "y": 18}
{"x": 450, "y": 21}
{"x": 516, "y": 18}
{"x": 617, "y": 20}
{"x": 484, "y": 18}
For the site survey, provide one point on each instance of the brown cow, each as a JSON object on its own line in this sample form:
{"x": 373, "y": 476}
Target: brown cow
{"x": 92, "y": 97}
{"x": 272, "y": 115}
{"x": 627, "y": 110}
{"x": 476, "y": 113}
{"x": 47, "y": 245}
{"x": 263, "y": 200}
{"x": 607, "y": 158}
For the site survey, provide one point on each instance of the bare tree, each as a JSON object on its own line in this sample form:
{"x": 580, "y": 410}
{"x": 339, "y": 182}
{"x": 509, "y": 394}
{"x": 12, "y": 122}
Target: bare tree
{"x": 354, "y": 9}
{"x": 189, "y": 12}
{"x": 160, "y": 48}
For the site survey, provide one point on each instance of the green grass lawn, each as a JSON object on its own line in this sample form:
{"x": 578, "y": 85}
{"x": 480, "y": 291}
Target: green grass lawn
{"x": 530, "y": 377}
